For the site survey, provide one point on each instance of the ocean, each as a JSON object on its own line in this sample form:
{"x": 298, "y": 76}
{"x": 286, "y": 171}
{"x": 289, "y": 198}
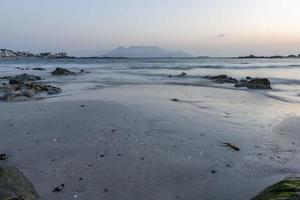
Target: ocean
{"x": 284, "y": 74}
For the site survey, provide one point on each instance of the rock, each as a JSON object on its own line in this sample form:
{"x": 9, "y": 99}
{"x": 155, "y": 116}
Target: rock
{"x": 62, "y": 72}
{"x": 222, "y": 79}
{"x": 182, "y": 75}
{"x": 15, "y": 186}
{"x": 59, "y": 188}
{"x": 175, "y": 100}
{"x": 288, "y": 189}
{"x": 255, "y": 83}
{"x": 3, "y": 156}
{"x": 27, "y": 90}
{"x": 38, "y": 69}
{"x": 23, "y": 78}
{"x": 39, "y": 87}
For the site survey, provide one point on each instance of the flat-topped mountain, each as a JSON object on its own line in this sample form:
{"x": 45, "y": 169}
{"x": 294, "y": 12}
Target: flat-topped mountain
{"x": 144, "y": 51}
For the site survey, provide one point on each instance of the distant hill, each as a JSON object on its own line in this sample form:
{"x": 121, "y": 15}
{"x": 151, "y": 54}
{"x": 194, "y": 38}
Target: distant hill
{"x": 144, "y": 51}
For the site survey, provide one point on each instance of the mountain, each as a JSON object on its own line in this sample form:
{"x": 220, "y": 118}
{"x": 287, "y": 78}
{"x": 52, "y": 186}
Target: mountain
{"x": 144, "y": 52}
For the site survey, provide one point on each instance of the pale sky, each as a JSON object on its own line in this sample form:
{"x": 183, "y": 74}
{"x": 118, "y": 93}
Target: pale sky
{"x": 199, "y": 27}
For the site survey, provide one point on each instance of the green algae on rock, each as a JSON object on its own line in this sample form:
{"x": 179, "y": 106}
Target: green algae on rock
{"x": 15, "y": 186}
{"x": 288, "y": 189}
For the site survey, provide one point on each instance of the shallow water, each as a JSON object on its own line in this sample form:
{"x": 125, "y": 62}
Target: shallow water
{"x": 283, "y": 73}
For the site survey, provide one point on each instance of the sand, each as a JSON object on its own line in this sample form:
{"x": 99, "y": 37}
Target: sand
{"x": 132, "y": 142}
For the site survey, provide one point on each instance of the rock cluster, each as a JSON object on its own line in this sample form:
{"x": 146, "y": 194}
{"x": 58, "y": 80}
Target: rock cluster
{"x": 25, "y": 85}
{"x": 248, "y": 82}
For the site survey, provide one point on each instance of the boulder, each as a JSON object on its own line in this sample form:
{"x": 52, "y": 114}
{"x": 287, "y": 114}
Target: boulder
{"x": 255, "y": 83}
{"x": 288, "y": 189}
{"x": 15, "y": 186}
{"x": 23, "y": 78}
{"x": 62, "y": 72}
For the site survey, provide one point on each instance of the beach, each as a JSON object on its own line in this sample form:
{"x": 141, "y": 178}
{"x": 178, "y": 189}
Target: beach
{"x": 117, "y": 134}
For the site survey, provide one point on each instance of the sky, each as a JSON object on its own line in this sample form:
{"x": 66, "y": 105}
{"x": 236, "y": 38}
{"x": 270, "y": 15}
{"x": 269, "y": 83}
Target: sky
{"x": 199, "y": 27}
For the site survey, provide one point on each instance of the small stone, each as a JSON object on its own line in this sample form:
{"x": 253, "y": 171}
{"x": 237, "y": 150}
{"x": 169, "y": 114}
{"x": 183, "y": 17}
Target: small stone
{"x": 59, "y": 188}
{"x": 105, "y": 190}
{"x": 213, "y": 171}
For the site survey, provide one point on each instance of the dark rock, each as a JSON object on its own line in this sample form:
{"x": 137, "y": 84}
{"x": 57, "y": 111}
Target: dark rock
{"x": 175, "y": 100}
{"x": 288, "y": 189}
{"x": 23, "y": 78}
{"x": 15, "y": 186}
{"x": 28, "y": 90}
{"x": 255, "y": 83}
{"x": 182, "y": 75}
{"x": 3, "y": 156}
{"x": 62, "y": 72}
{"x": 222, "y": 79}
{"x": 59, "y": 188}
{"x": 82, "y": 71}
{"x": 38, "y": 69}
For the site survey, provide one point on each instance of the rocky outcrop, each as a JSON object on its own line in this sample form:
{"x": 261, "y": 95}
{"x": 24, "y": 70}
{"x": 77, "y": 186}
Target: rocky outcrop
{"x": 62, "y": 72}
{"x": 248, "y": 82}
{"x": 25, "y": 86}
{"x": 288, "y": 189}
{"x": 255, "y": 83}
{"x": 222, "y": 79}
{"x": 23, "y": 78}
{"x": 15, "y": 186}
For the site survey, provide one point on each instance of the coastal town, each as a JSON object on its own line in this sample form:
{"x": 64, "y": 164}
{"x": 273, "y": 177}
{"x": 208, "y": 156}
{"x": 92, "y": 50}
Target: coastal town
{"x": 6, "y": 53}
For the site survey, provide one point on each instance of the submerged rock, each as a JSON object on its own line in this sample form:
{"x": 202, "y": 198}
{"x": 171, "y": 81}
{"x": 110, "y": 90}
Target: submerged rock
{"x": 15, "y": 186}
{"x": 38, "y": 69}
{"x": 255, "y": 83}
{"x": 222, "y": 79}
{"x": 23, "y": 78}
{"x": 182, "y": 75}
{"x": 288, "y": 189}
{"x": 62, "y": 72}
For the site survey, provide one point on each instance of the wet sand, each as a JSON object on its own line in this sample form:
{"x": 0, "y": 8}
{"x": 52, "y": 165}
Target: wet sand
{"x": 132, "y": 142}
